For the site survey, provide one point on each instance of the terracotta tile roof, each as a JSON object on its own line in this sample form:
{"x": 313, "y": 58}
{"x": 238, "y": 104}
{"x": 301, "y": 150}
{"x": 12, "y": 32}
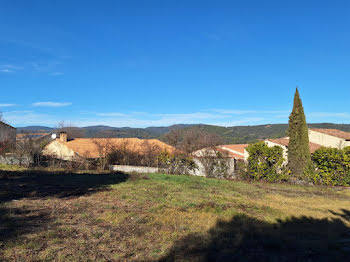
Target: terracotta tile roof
{"x": 234, "y": 150}
{"x": 236, "y": 147}
{"x": 333, "y": 132}
{"x": 285, "y": 142}
{"x": 230, "y": 151}
{"x": 314, "y": 147}
{"x": 280, "y": 141}
{"x": 88, "y": 147}
{"x": 233, "y": 155}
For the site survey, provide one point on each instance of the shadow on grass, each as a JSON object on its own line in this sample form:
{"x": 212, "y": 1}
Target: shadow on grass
{"x": 15, "y": 185}
{"x": 344, "y": 215}
{"x": 249, "y": 239}
{"x": 37, "y": 184}
{"x": 14, "y": 222}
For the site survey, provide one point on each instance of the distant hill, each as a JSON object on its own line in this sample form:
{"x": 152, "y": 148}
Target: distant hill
{"x": 35, "y": 129}
{"x": 249, "y": 134}
{"x": 230, "y": 135}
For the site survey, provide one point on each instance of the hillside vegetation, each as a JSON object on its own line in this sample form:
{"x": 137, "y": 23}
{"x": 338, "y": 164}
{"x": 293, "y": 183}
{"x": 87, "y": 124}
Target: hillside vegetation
{"x": 230, "y": 135}
{"x": 122, "y": 217}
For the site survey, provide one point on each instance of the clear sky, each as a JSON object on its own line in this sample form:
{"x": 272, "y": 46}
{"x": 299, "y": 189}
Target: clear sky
{"x": 154, "y": 63}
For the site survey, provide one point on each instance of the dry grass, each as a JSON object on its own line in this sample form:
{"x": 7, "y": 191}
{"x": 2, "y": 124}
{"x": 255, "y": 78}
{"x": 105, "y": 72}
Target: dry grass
{"x": 99, "y": 217}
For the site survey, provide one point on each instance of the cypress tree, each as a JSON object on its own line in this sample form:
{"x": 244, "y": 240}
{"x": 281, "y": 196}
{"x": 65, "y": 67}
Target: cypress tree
{"x": 299, "y": 156}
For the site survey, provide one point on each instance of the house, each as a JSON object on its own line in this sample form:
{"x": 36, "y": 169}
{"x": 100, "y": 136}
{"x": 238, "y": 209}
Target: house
{"x": 236, "y": 151}
{"x": 231, "y": 154}
{"x": 7, "y": 133}
{"x": 93, "y": 148}
{"x": 318, "y": 137}
{"x": 283, "y": 142}
{"x": 329, "y": 137}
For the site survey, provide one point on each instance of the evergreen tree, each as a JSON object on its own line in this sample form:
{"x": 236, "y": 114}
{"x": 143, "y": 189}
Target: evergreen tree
{"x": 299, "y": 156}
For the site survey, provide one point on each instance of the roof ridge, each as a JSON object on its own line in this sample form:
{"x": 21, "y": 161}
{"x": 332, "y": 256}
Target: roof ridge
{"x": 7, "y": 124}
{"x": 333, "y": 132}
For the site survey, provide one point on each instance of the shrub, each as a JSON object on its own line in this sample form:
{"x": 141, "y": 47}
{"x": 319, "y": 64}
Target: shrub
{"x": 30, "y": 150}
{"x": 265, "y": 163}
{"x": 3, "y": 147}
{"x": 125, "y": 154}
{"x": 176, "y": 163}
{"x": 332, "y": 167}
{"x": 215, "y": 164}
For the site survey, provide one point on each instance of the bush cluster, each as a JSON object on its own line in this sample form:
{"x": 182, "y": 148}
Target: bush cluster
{"x": 331, "y": 167}
{"x": 176, "y": 163}
{"x": 214, "y": 163}
{"x": 265, "y": 163}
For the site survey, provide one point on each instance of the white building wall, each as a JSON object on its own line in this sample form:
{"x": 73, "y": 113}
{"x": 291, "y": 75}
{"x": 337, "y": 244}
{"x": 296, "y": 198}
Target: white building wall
{"x": 327, "y": 140}
{"x": 59, "y": 150}
{"x": 285, "y": 150}
{"x": 231, "y": 150}
{"x": 246, "y": 155}
{"x": 200, "y": 171}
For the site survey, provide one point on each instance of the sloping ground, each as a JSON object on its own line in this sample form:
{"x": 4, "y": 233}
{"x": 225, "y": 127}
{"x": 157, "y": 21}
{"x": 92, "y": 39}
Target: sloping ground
{"x": 118, "y": 217}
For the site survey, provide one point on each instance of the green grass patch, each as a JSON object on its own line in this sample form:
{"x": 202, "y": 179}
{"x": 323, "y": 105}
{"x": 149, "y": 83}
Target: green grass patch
{"x": 99, "y": 217}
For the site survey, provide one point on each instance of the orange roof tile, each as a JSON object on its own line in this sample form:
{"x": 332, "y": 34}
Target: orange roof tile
{"x": 333, "y": 132}
{"x": 285, "y": 142}
{"x": 236, "y": 147}
{"x": 233, "y": 155}
{"x": 89, "y": 147}
{"x": 280, "y": 141}
{"x": 226, "y": 151}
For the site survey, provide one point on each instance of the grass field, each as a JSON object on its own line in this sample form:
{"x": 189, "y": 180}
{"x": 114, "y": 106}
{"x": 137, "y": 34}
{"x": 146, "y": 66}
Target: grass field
{"x": 47, "y": 216}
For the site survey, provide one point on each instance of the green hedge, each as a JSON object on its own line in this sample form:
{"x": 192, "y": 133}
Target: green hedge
{"x": 265, "y": 163}
{"x": 332, "y": 167}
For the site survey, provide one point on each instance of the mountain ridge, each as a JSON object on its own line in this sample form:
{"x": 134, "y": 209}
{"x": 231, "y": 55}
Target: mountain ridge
{"x": 229, "y": 135}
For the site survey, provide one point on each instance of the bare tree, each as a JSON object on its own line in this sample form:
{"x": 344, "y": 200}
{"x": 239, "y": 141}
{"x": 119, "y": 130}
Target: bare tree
{"x": 176, "y": 163}
{"x": 5, "y": 147}
{"x": 174, "y": 137}
{"x": 71, "y": 130}
{"x": 190, "y": 140}
{"x": 29, "y": 151}
{"x": 341, "y": 145}
{"x": 150, "y": 153}
{"x": 215, "y": 162}
{"x": 104, "y": 148}
{"x": 2, "y": 118}
{"x": 125, "y": 153}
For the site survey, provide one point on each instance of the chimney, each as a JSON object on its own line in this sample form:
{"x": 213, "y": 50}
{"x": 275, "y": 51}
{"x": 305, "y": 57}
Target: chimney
{"x": 63, "y": 137}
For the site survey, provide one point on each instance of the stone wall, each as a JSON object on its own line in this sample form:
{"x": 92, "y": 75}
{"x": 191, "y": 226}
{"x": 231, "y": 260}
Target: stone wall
{"x": 58, "y": 150}
{"x": 200, "y": 171}
{"x": 12, "y": 159}
{"x": 143, "y": 169}
{"x": 137, "y": 169}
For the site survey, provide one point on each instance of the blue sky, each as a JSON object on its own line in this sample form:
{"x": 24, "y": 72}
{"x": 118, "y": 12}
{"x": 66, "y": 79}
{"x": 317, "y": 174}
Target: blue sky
{"x": 156, "y": 63}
